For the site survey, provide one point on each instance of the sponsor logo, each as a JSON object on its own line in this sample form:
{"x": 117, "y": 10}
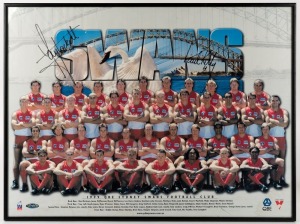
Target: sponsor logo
{"x": 32, "y": 205}
{"x": 267, "y": 205}
{"x": 19, "y": 206}
{"x": 279, "y": 203}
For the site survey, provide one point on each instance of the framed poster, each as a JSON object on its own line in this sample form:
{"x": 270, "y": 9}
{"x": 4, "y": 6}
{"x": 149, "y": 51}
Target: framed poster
{"x": 250, "y": 45}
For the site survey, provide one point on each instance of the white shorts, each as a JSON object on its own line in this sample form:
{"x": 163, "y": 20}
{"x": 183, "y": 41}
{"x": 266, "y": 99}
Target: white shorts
{"x": 277, "y": 131}
{"x": 185, "y": 128}
{"x": 164, "y": 126}
{"x": 23, "y": 132}
{"x": 207, "y": 132}
{"x": 229, "y": 130}
{"x": 46, "y": 133}
{"x": 70, "y": 131}
{"x": 254, "y": 130}
{"x": 114, "y": 127}
{"x": 136, "y": 125}
{"x": 92, "y": 130}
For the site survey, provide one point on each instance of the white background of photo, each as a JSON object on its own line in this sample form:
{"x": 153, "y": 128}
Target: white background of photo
{"x": 248, "y": 85}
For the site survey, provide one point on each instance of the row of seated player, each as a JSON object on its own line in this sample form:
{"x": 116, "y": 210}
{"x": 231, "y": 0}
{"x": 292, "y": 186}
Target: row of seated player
{"x": 148, "y": 145}
{"x": 147, "y": 96}
{"x": 133, "y": 175}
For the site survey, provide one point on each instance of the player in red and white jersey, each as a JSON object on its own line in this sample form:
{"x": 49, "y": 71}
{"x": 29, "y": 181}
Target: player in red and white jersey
{"x": 225, "y": 171}
{"x": 81, "y": 147}
{"x": 194, "y": 142}
{"x": 252, "y": 117}
{"x": 113, "y": 116}
{"x": 131, "y": 173}
{"x": 35, "y": 97}
{"x": 197, "y": 142}
{"x": 161, "y": 115}
{"x": 146, "y": 94}
{"x": 229, "y": 115}
{"x": 124, "y": 97}
{"x": 69, "y": 174}
{"x": 160, "y": 173}
{"x": 173, "y": 144}
{"x": 57, "y": 146}
{"x": 207, "y": 116}
{"x": 278, "y": 119}
{"x": 238, "y": 97}
{"x": 269, "y": 150}
{"x": 184, "y": 115}
{"x": 57, "y": 98}
{"x": 123, "y": 145}
{"x": 137, "y": 114}
{"x": 216, "y": 99}
{"x": 100, "y": 173}
{"x": 91, "y": 117}
{"x": 102, "y": 100}
{"x": 216, "y": 143}
{"x": 30, "y": 150}
{"x": 171, "y": 97}
{"x": 262, "y": 98}
{"x": 148, "y": 145}
{"x": 46, "y": 118}
{"x": 104, "y": 143}
{"x": 256, "y": 171}
{"x": 80, "y": 98}
{"x": 192, "y": 171}
{"x": 70, "y": 118}
{"x": 241, "y": 143}
{"x": 41, "y": 174}
{"x": 194, "y": 97}
{"x": 22, "y": 120}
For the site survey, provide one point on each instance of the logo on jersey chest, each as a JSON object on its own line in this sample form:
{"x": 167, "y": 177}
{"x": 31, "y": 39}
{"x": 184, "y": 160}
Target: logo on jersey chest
{"x": 170, "y": 98}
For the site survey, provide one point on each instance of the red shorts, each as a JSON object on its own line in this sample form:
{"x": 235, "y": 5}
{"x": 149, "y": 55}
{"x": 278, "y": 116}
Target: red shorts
{"x": 70, "y": 137}
{"x": 115, "y": 135}
{"x": 20, "y": 139}
{"x": 149, "y": 160}
{"x": 160, "y": 134}
{"x": 137, "y": 134}
{"x": 79, "y": 160}
{"x": 281, "y": 141}
{"x": 57, "y": 160}
{"x": 47, "y": 137}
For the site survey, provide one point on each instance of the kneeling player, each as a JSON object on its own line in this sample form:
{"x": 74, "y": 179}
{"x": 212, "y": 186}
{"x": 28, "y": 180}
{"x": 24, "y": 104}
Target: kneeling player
{"x": 69, "y": 174}
{"x": 225, "y": 171}
{"x": 192, "y": 171}
{"x": 99, "y": 173}
{"x": 256, "y": 171}
{"x": 160, "y": 173}
{"x": 41, "y": 174}
{"x": 131, "y": 173}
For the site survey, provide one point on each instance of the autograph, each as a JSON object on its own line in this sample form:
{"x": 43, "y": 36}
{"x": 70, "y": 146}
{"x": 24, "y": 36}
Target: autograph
{"x": 54, "y": 53}
{"x": 199, "y": 59}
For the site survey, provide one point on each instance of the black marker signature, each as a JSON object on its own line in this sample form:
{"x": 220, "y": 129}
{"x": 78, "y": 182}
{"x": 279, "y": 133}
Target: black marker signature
{"x": 54, "y": 52}
{"x": 199, "y": 60}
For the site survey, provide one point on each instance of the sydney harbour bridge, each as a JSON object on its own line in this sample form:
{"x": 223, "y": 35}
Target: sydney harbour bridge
{"x": 275, "y": 22}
